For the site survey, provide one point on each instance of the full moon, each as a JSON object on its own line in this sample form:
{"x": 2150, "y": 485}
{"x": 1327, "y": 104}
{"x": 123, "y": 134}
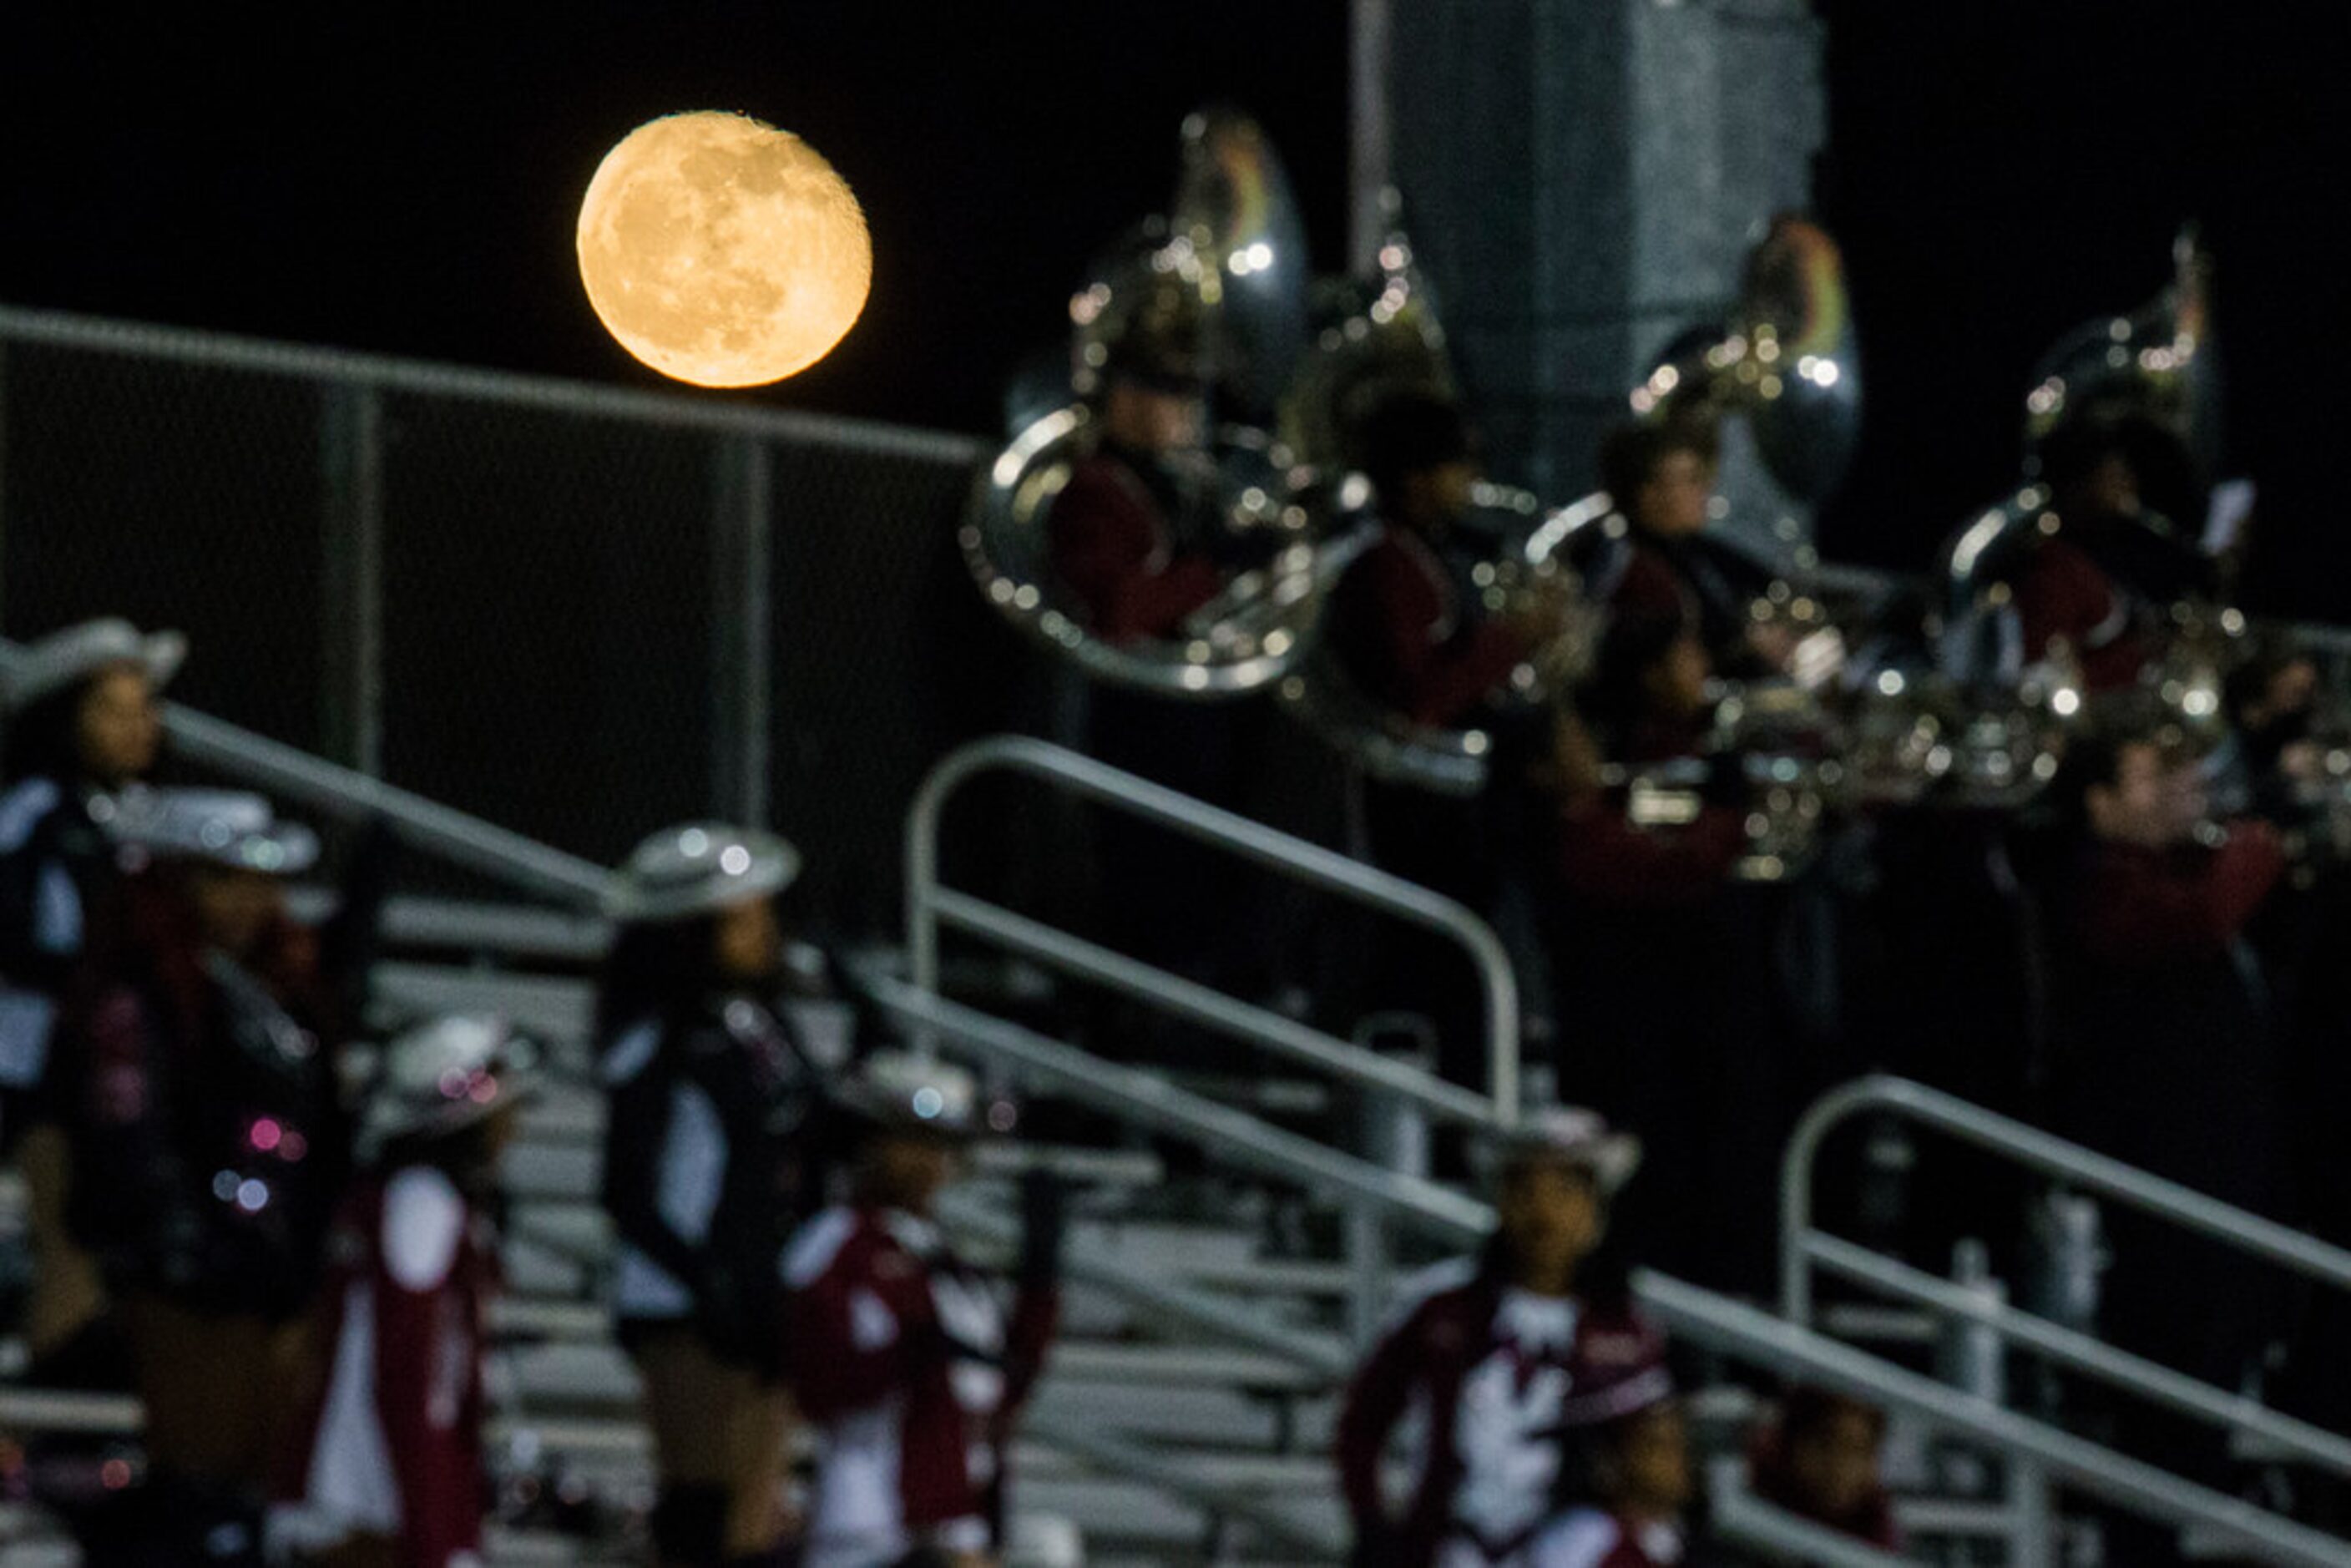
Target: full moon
{"x": 722, "y": 251}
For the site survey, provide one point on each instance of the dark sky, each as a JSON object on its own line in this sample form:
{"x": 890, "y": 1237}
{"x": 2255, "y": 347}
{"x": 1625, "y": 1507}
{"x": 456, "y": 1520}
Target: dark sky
{"x": 358, "y": 176}
{"x": 406, "y": 179}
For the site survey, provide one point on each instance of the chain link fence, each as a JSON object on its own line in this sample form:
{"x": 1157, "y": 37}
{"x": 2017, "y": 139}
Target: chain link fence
{"x": 575, "y": 612}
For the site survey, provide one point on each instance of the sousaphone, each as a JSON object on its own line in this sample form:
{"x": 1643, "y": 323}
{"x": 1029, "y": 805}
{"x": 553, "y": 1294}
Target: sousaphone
{"x": 1231, "y": 257}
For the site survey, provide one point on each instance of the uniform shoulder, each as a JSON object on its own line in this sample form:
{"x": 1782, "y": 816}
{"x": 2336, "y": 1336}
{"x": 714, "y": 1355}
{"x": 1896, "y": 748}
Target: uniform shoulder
{"x": 21, "y": 810}
{"x": 629, "y": 1051}
{"x": 822, "y": 1242}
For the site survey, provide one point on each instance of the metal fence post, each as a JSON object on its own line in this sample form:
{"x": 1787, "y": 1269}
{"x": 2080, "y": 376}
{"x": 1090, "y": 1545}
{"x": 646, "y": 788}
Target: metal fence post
{"x": 2035, "y": 1542}
{"x": 1394, "y": 1134}
{"x": 742, "y": 607}
{"x": 351, "y": 708}
{"x": 4, "y": 481}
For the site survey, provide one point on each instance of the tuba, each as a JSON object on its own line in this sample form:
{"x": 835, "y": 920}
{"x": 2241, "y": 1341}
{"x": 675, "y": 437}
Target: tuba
{"x": 1226, "y": 269}
{"x": 2146, "y": 384}
{"x": 1785, "y": 361}
{"x": 1377, "y": 335}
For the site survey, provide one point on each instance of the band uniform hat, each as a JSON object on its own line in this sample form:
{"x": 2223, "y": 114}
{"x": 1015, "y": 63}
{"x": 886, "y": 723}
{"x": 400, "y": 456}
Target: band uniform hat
{"x": 219, "y": 827}
{"x": 445, "y": 1075}
{"x": 900, "y": 1091}
{"x": 64, "y": 657}
{"x": 1569, "y": 1135}
{"x": 698, "y": 868}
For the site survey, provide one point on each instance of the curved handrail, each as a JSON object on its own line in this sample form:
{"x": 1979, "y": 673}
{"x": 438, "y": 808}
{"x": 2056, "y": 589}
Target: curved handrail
{"x": 1802, "y": 1247}
{"x": 1730, "y": 1327}
{"x": 927, "y": 904}
{"x": 1788, "y": 1348}
{"x": 2041, "y": 1151}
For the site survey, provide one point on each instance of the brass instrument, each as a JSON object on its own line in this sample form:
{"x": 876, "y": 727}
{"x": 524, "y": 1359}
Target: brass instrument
{"x": 1527, "y": 573}
{"x": 1245, "y": 638}
{"x": 1228, "y": 266}
{"x": 1785, "y": 361}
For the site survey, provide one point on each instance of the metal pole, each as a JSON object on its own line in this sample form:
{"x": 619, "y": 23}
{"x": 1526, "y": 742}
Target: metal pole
{"x": 1367, "y": 1270}
{"x": 1252, "y": 841}
{"x": 2035, "y": 1544}
{"x": 4, "y": 481}
{"x": 1370, "y": 169}
{"x": 351, "y": 466}
{"x": 741, "y": 627}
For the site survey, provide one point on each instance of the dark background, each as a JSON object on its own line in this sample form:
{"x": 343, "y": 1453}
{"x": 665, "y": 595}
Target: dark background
{"x": 406, "y": 179}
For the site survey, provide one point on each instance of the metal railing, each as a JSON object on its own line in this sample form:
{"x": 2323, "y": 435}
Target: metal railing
{"x": 1790, "y": 1350}
{"x": 1804, "y": 1247}
{"x": 1785, "y": 1347}
{"x": 930, "y": 905}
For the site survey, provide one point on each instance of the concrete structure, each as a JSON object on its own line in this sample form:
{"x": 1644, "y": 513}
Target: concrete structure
{"x": 1583, "y": 179}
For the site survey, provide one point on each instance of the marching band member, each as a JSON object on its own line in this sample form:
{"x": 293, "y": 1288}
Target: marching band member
{"x": 82, "y": 724}
{"x": 1678, "y": 1030}
{"x": 1138, "y": 544}
{"x": 1410, "y": 630}
{"x": 211, "y": 1153}
{"x": 1505, "y": 1354}
{"x": 1631, "y": 1482}
{"x": 901, "y": 1352}
{"x": 1413, "y": 633}
{"x": 391, "y": 1473}
{"x": 708, "y": 1164}
{"x": 2093, "y": 589}
{"x": 2158, "y": 989}
{"x": 1820, "y": 1460}
{"x": 1660, "y": 474}
{"x": 1127, "y": 537}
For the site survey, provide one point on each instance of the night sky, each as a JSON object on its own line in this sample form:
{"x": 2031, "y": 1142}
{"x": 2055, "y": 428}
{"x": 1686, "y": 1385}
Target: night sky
{"x": 390, "y": 178}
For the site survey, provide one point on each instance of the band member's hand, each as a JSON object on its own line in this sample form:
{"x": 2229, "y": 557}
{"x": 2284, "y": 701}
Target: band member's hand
{"x": 1774, "y": 642}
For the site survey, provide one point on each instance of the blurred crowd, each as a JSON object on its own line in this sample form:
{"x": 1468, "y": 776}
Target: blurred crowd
{"x": 275, "y": 1217}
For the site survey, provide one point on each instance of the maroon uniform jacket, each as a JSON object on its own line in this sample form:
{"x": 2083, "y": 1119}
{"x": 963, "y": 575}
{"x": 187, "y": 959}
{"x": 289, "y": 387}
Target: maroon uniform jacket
{"x": 393, "y": 1443}
{"x": 1407, "y": 639}
{"x": 1613, "y": 861}
{"x": 1499, "y": 1378}
{"x": 1114, "y": 551}
{"x": 2062, "y": 592}
{"x": 901, "y": 1356}
{"x": 2143, "y": 906}
{"x": 2158, "y": 990}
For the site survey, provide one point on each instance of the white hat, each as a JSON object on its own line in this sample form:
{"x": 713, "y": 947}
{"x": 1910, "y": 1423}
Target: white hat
{"x": 700, "y": 867}
{"x": 62, "y": 658}
{"x": 910, "y": 1092}
{"x": 1569, "y": 1135}
{"x": 223, "y": 827}
{"x": 442, "y": 1076}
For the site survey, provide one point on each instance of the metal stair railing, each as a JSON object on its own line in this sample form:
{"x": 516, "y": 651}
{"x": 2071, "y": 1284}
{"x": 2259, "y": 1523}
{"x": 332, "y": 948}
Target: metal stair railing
{"x": 346, "y": 794}
{"x": 930, "y": 905}
{"x": 1789, "y": 1349}
{"x": 1741, "y": 1333}
{"x": 1803, "y": 1248}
